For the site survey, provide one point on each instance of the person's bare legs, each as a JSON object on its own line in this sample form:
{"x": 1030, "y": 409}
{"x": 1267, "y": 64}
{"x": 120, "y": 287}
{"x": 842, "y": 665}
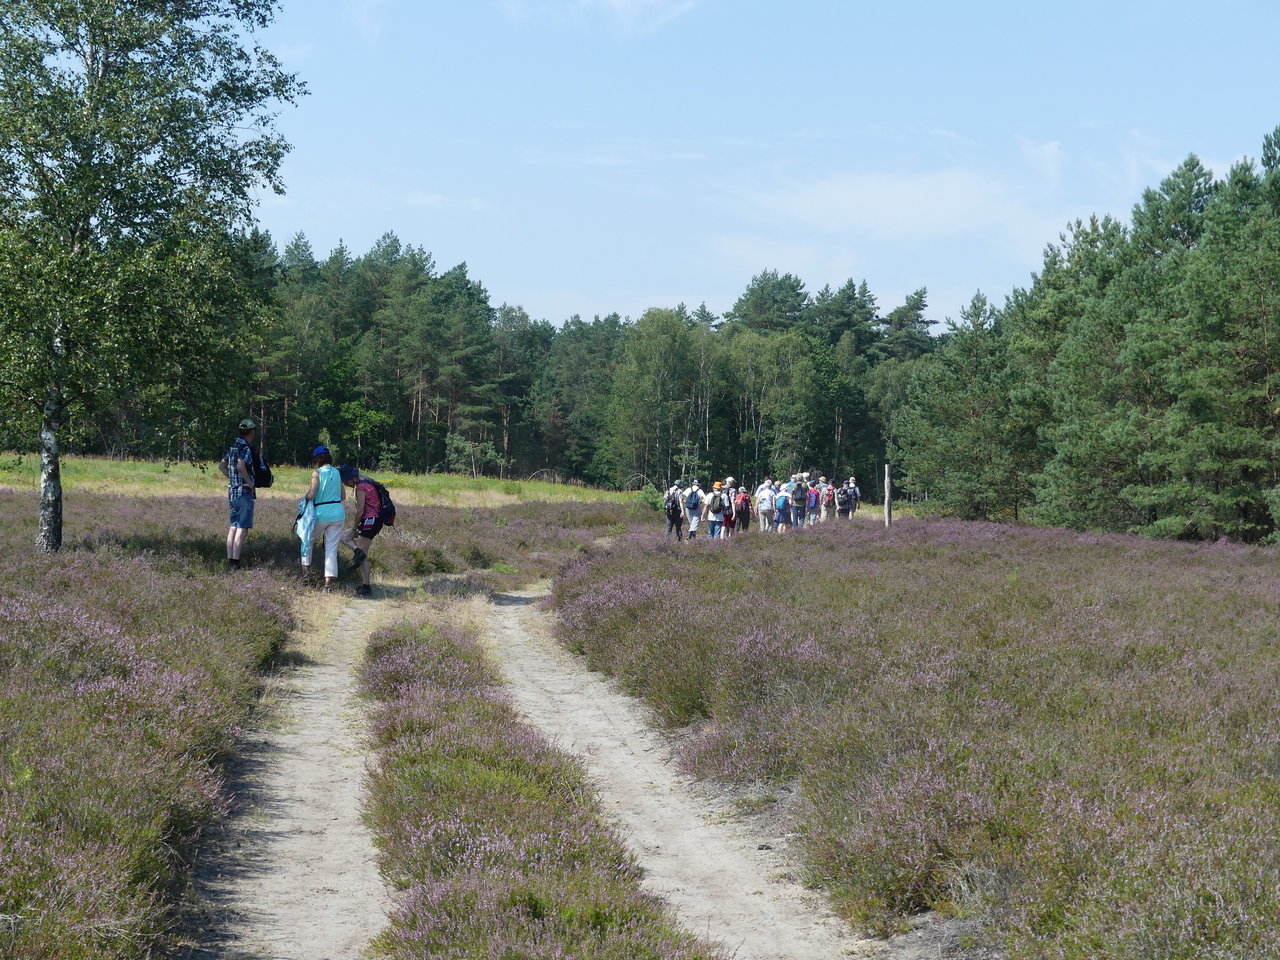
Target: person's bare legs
{"x": 235, "y": 542}
{"x": 364, "y": 543}
{"x": 355, "y": 542}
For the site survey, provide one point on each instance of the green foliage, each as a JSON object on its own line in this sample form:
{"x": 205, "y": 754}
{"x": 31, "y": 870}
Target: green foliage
{"x": 771, "y": 302}
{"x": 1134, "y": 384}
{"x": 131, "y": 137}
{"x": 954, "y": 438}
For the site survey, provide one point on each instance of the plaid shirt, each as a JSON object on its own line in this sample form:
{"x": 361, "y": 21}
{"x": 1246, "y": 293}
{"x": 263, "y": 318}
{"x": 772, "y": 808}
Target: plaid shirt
{"x": 239, "y": 451}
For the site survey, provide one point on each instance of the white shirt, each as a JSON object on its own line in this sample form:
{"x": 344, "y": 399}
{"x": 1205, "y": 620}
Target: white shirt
{"x": 717, "y": 515}
{"x": 684, "y": 498}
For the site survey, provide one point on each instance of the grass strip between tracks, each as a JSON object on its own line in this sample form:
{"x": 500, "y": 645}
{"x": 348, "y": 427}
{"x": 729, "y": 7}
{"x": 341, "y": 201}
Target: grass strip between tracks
{"x": 494, "y": 836}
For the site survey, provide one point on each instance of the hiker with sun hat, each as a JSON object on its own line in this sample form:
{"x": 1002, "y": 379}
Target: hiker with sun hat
{"x": 325, "y": 495}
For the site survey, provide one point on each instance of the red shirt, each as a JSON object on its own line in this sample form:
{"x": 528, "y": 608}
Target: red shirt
{"x": 372, "y": 502}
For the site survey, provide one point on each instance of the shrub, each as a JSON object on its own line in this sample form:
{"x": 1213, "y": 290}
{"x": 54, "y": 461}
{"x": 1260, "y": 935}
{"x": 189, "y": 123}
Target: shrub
{"x": 123, "y": 680}
{"x": 1071, "y": 736}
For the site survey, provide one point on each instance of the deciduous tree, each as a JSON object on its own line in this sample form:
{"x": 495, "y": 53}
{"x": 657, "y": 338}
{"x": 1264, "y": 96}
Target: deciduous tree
{"x": 131, "y": 135}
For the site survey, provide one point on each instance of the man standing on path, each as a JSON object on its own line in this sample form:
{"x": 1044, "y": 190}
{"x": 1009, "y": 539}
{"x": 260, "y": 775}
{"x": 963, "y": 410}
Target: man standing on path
{"x": 827, "y": 495}
{"x": 237, "y": 467}
{"x": 800, "y": 499}
{"x": 713, "y": 512}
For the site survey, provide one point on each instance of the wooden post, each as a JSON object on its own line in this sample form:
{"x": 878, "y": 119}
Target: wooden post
{"x": 888, "y": 495}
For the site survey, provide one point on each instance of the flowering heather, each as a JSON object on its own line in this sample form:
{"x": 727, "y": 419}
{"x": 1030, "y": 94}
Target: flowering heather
{"x": 1074, "y": 737}
{"x": 123, "y": 677}
{"x": 127, "y": 662}
{"x": 494, "y": 836}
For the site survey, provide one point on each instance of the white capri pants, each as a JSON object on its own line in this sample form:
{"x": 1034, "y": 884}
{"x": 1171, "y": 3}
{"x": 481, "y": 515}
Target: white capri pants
{"x": 329, "y": 532}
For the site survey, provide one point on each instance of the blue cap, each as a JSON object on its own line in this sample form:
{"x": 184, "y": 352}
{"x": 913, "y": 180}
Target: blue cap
{"x": 348, "y": 473}
{"x": 319, "y": 450}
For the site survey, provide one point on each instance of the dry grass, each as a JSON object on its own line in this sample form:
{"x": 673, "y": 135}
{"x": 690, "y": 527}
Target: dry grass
{"x": 137, "y": 478}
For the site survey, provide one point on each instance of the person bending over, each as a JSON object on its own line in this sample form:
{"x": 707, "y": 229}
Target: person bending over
{"x": 368, "y": 523}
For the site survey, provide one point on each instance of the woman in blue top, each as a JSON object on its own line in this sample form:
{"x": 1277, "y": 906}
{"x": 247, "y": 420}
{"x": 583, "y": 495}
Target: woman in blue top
{"x": 328, "y": 494}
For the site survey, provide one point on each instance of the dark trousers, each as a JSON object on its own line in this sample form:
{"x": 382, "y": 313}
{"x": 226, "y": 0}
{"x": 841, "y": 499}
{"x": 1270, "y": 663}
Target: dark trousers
{"x": 676, "y": 524}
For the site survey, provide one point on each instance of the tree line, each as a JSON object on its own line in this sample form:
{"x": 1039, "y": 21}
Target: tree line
{"x": 1134, "y": 385}
{"x": 1131, "y": 386}
{"x": 404, "y": 366}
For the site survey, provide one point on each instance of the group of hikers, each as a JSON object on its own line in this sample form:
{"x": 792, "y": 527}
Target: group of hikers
{"x": 322, "y": 515}
{"x": 728, "y": 508}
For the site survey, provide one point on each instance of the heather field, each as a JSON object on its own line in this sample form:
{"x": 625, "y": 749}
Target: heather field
{"x": 123, "y": 679}
{"x": 1073, "y": 737}
{"x": 494, "y": 837}
{"x": 129, "y": 660}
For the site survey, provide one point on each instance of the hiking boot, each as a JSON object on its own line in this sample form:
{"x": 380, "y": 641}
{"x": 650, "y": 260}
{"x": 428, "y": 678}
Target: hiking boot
{"x": 364, "y": 590}
{"x": 358, "y": 557}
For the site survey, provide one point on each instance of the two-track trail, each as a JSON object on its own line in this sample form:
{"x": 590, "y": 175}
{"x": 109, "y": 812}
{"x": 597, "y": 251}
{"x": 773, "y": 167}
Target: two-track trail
{"x": 295, "y": 878}
{"x": 725, "y": 884}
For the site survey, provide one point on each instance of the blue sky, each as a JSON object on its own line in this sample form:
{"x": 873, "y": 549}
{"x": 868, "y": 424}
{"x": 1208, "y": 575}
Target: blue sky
{"x": 590, "y": 156}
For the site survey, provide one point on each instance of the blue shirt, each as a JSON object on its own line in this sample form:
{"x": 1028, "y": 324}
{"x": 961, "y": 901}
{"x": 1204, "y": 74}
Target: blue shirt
{"x": 329, "y": 496}
{"x": 239, "y": 452}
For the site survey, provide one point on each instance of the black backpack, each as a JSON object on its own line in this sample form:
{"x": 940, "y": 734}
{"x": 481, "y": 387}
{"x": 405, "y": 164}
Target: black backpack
{"x": 260, "y": 469}
{"x": 844, "y": 497}
{"x": 262, "y": 477}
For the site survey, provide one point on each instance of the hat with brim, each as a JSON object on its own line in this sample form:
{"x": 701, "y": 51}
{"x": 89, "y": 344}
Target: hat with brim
{"x": 247, "y": 424}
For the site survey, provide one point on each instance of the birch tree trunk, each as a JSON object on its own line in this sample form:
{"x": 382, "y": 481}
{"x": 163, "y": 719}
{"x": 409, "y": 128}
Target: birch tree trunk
{"x": 49, "y": 534}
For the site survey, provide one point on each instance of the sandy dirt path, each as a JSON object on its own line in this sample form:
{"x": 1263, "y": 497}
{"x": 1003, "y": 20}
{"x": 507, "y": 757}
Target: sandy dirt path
{"x": 294, "y": 877}
{"x": 725, "y": 882}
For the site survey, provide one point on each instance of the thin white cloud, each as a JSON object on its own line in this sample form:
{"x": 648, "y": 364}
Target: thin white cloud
{"x": 591, "y": 157}
{"x": 640, "y": 15}
{"x": 1046, "y": 159}
{"x": 929, "y": 205}
{"x": 950, "y": 205}
{"x": 1140, "y": 161}
{"x": 617, "y": 152}
{"x": 746, "y": 255}
{"x": 643, "y": 14}
{"x": 294, "y": 53}
{"x": 426, "y": 200}
{"x": 367, "y": 17}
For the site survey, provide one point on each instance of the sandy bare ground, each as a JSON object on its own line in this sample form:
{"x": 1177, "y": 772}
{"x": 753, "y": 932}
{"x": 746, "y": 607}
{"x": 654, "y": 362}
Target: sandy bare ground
{"x": 725, "y": 882}
{"x": 294, "y": 876}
